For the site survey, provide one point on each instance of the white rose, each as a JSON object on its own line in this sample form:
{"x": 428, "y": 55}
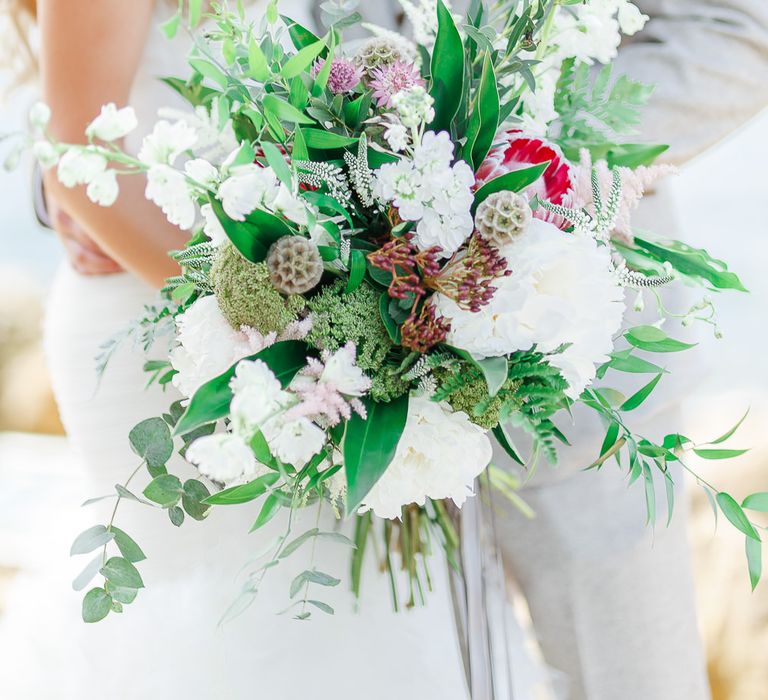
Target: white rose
{"x": 223, "y": 457}
{"x": 103, "y": 188}
{"x": 112, "y": 123}
{"x": 440, "y": 454}
{"x": 79, "y": 166}
{"x": 168, "y": 189}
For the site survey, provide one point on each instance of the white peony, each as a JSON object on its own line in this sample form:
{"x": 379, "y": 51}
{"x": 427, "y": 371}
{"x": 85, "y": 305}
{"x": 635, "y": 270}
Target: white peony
{"x": 168, "y": 189}
{"x": 440, "y": 454}
{"x": 224, "y": 457}
{"x": 212, "y": 226}
{"x": 78, "y": 166}
{"x": 249, "y": 187}
{"x": 103, "y": 188}
{"x": 167, "y": 142}
{"x": 112, "y": 123}
{"x": 207, "y": 345}
{"x": 562, "y": 290}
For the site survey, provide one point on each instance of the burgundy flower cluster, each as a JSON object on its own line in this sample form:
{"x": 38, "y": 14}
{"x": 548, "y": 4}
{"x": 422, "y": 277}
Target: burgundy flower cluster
{"x": 401, "y": 259}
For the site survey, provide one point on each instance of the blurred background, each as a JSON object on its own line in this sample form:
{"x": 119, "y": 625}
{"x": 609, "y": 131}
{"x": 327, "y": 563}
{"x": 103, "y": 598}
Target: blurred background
{"x": 721, "y": 201}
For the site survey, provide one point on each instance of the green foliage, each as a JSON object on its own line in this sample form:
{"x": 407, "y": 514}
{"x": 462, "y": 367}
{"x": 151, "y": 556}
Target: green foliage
{"x": 595, "y": 110}
{"x": 151, "y": 440}
{"x": 447, "y": 70}
{"x": 246, "y": 296}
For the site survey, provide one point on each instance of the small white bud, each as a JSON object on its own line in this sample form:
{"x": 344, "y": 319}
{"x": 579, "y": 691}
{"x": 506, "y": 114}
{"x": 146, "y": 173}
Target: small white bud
{"x": 39, "y": 115}
{"x": 45, "y": 154}
{"x": 687, "y": 321}
{"x": 718, "y": 333}
{"x": 639, "y": 302}
{"x": 668, "y": 269}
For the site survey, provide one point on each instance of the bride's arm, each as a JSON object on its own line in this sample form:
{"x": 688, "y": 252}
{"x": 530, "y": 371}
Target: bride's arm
{"x": 89, "y": 55}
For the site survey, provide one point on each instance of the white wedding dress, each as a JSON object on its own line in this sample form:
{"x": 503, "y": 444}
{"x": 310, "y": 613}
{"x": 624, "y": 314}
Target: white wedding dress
{"x": 168, "y": 644}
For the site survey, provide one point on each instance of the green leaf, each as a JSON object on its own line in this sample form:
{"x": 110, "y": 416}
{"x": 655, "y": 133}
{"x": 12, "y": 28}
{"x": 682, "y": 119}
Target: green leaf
{"x": 276, "y": 161}
{"x": 724, "y": 437}
{"x": 294, "y": 544}
{"x": 151, "y": 440}
{"x": 299, "y": 63}
{"x": 123, "y": 595}
{"x": 357, "y": 268}
{"x": 633, "y": 365}
{"x": 503, "y": 439}
{"x": 638, "y": 398}
{"x": 633, "y": 155}
{"x": 284, "y": 111}
{"x": 211, "y": 401}
{"x": 484, "y": 120}
{"x": 90, "y": 539}
{"x": 447, "y": 70}
{"x": 258, "y": 67}
{"x": 268, "y": 511}
{"x": 210, "y": 71}
{"x": 244, "y": 492}
{"x": 322, "y": 606}
{"x": 300, "y": 36}
{"x": 692, "y": 262}
{"x": 754, "y": 560}
{"x": 121, "y": 572}
{"x": 650, "y": 494}
{"x": 389, "y": 323}
{"x": 611, "y": 435}
{"x": 255, "y": 235}
{"x": 87, "y": 574}
{"x": 654, "y": 339}
{"x": 513, "y": 182}
{"x": 128, "y": 548}
{"x": 370, "y": 445}
{"x": 317, "y": 138}
{"x": 312, "y": 576}
{"x": 732, "y": 510}
{"x": 718, "y": 453}
{"x": 96, "y": 605}
{"x": 494, "y": 370}
{"x": 756, "y": 501}
{"x": 176, "y": 515}
{"x": 192, "y": 500}
{"x": 165, "y": 490}
{"x": 195, "y": 12}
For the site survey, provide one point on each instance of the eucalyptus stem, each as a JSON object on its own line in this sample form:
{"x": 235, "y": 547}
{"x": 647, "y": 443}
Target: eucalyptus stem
{"x": 114, "y": 510}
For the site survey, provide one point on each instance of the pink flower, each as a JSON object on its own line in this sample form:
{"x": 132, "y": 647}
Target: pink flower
{"x": 518, "y": 152}
{"x": 344, "y": 76}
{"x": 387, "y": 81}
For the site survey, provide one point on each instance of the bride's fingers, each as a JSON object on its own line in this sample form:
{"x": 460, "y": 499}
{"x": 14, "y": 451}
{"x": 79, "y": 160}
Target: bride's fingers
{"x": 87, "y": 260}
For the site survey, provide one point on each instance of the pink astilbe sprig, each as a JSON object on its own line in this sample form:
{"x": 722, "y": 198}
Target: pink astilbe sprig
{"x": 390, "y": 79}
{"x": 344, "y": 76}
{"x": 329, "y": 389}
{"x": 403, "y": 260}
{"x": 634, "y": 184}
{"x": 295, "y": 330}
{"x": 468, "y": 277}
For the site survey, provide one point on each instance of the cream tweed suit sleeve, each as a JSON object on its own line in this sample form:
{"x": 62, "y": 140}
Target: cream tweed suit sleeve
{"x": 611, "y": 599}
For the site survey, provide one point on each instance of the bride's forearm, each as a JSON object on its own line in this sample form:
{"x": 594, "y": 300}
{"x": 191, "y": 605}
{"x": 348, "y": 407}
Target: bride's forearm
{"x": 133, "y": 232}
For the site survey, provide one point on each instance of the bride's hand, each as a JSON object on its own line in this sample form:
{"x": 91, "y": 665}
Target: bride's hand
{"x": 83, "y": 253}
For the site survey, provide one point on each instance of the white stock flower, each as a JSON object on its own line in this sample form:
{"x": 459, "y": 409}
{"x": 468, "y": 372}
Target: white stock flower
{"x": 103, "y": 188}
{"x": 207, "y": 345}
{"x": 168, "y": 189}
{"x": 294, "y": 442}
{"x": 112, "y": 123}
{"x": 39, "y": 115}
{"x": 223, "y": 457}
{"x": 396, "y": 135}
{"x": 561, "y": 290}
{"x": 249, "y": 187}
{"x": 78, "y": 166}
{"x": 202, "y": 172}
{"x": 434, "y": 154}
{"x": 400, "y": 184}
{"x": 414, "y": 105}
{"x": 167, "y": 142}
{"x": 45, "y": 153}
{"x": 440, "y": 454}
{"x": 212, "y": 226}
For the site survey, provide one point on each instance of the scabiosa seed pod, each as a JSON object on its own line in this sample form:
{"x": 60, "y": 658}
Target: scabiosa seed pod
{"x": 295, "y": 265}
{"x": 383, "y": 51}
{"x": 502, "y": 217}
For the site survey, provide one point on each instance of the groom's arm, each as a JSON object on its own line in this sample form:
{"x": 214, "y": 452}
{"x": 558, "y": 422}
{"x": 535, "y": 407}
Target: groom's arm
{"x": 709, "y": 62}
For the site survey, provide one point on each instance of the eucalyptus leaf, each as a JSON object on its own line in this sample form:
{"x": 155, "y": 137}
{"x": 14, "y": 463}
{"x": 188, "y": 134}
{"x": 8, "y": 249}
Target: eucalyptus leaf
{"x": 90, "y": 539}
{"x": 165, "y": 490}
{"x": 151, "y": 440}
{"x": 121, "y": 572}
{"x": 192, "y": 500}
{"x": 128, "y": 548}
{"x": 86, "y": 575}
{"x": 97, "y": 604}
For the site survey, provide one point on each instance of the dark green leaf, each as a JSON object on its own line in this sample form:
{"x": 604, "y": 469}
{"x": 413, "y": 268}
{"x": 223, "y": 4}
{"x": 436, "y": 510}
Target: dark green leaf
{"x": 176, "y": 515}
{"x": 503, "y": 439}
{"x": 195, "y": 492}
{"x": 392, "y": 328}
{"x": 639, "y": 397}
{"x": 151, "y": 440}
{"x": 121, "y": 572}
{"x": 268, "y": 511}
{"x": 515, "y": 181}
{"x": 370, "y": 444}
{"x": 300, "y": 36}
{"x": 484, "y": 119}
{"x": 447, "y": 70}
{"x": 284, "y": 111}
{"x": 276, "y": 161}
{"x": 211, "y": 401}
{"x": 243, "y": 235}
{"x": 96, "y": 605}
{"x": 320, "y": 139}
{"x": 299, "y": 62}
{"x": 357, "y": 268}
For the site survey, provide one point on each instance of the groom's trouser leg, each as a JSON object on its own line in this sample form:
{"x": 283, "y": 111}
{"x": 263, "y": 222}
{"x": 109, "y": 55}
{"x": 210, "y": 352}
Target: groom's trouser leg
{"x": 611, "y": 599}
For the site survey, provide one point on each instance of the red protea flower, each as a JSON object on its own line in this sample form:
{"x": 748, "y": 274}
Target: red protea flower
{"x": 518, "y": 152}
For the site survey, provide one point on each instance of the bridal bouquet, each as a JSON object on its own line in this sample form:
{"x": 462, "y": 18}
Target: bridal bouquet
{"x": 400, "y": 251}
